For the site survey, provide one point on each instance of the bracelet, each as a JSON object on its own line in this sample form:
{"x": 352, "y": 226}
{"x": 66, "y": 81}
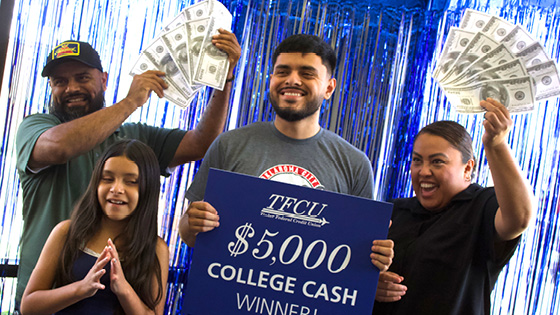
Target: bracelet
{"x": 230, "y": 79}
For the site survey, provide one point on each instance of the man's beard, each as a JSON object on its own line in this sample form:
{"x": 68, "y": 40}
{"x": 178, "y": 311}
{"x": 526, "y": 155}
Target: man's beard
{"x": 66, "y": 114}
{"x": 292, "y": 115}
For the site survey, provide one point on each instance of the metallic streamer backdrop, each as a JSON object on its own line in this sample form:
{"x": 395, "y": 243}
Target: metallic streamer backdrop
{"x": 385, "y": 94}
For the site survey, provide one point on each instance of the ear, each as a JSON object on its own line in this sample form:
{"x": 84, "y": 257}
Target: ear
{"x": 104, "y": 80}
{"x": 331, "y": 85}
{"x": 469, "y": 167}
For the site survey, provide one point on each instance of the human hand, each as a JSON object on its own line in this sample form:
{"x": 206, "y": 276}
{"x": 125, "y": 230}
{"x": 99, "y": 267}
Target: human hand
{"x": 202, "y": 217}
{"x": 389, "y": 288}
{"x": 91, "y": 282}
{"x": 143, "y": 84}
{"x": 119, "y": 285}
{"x": 497, "y": 123}
{"x": 227, "y": 42}
{"x": 382, "y": 254}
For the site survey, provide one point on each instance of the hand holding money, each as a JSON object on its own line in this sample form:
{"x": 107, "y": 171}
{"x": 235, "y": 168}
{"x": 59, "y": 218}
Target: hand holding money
{"x": 194, "y": 49}
{"x": 488, "y": 56}
{"x": 143, "y": 84}
{"x": 227, "y": 42}
{"x": 497, "y": 123}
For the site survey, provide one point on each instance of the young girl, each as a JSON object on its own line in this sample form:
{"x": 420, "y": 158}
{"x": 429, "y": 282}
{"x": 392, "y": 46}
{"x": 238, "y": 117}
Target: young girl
{"x": 107, "y": 258}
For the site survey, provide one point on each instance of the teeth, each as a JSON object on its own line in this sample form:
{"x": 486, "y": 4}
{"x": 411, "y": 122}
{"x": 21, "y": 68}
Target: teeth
{"x": 117, "y": 202}
{"x": 427, "y": 185}
{"x": 292, "y": 94}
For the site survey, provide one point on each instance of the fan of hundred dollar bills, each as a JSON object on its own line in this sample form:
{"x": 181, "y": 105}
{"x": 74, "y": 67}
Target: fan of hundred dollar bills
{"x": 184, "y": 51}
{"x": 487, "y": 56}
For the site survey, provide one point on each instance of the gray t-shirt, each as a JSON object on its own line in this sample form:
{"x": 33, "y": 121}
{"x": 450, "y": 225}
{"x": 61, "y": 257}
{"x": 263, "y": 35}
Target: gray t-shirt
{"x": 324, "y": 161}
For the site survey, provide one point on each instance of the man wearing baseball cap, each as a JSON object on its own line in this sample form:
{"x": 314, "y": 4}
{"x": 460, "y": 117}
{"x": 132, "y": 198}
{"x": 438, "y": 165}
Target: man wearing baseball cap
{"x": 56, "y": 152}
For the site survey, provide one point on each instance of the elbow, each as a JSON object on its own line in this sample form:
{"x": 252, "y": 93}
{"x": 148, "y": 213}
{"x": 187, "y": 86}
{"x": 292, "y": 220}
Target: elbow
{"x": 25, "y": 307}
{"x": 527, "y": 218}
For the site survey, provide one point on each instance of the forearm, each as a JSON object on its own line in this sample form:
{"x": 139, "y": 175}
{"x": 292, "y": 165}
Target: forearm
{"x": 196, "y": 141}
{"x": 131, "y": 302}
{"x": 64, "y": 141}
{"x": 51, "y": 301}
{"x": 185, "y": 232}
{"x": 515, "y": 197}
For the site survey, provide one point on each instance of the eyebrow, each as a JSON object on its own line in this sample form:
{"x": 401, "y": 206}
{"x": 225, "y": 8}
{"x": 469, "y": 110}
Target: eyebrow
{"x": 108, "y": 172}
{"x": 432, "y": 155}
{"x": 62, "y": 76}
{"x": 305, "y": 68}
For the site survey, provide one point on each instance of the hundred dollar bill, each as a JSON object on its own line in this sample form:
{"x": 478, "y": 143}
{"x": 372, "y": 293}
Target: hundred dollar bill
{"x": 213, "y": 64}
{"x": 479, "y": 45}
{"x": 546, "y": 78}
{"x": 197, "y": 11}
{"x": 180, "y": 19}
{"x": 457, "y": 40}
{"x": 497, "y": 28}
{"x": 512, "y": 69}
{"x": 496, "y": 56}
{"x": 176, "y": 42}
{"x": 160, "y": 56}
{"x": 516, "y": 94}
{"x": 474, "y": 20}
{"x": 144, "y": 64}
{"x": 195, "y": 31}
{"x": 517, "y": 39}
{"x": 533, "y": 55}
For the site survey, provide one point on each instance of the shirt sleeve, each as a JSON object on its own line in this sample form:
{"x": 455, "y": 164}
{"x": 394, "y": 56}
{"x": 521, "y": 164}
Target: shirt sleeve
{"x": 211, "y": 159}
{"x": 364, "y": 184}
{"x": 29, "y": 131}
{"x": 163, "y": 141}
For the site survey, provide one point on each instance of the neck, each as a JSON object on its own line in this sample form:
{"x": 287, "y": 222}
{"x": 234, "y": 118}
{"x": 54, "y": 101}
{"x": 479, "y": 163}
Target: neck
{"x": 301, "y": 129}
{"x": 112, "y": 229}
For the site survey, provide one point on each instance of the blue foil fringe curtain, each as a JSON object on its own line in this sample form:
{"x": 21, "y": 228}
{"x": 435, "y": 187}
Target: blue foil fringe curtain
{"x": 385, "y": 94}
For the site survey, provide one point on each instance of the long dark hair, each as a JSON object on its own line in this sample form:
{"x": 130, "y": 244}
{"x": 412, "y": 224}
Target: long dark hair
{"x": 138, "y": 239}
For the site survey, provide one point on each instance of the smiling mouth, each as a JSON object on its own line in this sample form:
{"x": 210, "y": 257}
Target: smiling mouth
{"x": 291, "y": 94}
{"x": 75, "y": 99}
{"x": 428, "y": 187}
{"x": 116, "y": 202}
{"x": 291, "y": 91}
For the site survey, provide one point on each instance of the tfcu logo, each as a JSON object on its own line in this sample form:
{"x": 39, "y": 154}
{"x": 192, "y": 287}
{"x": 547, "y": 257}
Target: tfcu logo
{"x": 295, "y": 210}
{"x": 66, "y": 49}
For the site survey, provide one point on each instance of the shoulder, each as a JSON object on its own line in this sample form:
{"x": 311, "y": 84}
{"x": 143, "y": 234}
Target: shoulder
{"x": 62, "y": 227}
{"x": 162, "y": 250}
{"x": 37, "y": 122}
{"x": 40, "y": 117}
{"x": 336, "y": 140}
{"x": 243, "y": 135}
{"x": 475, "y": 193}
{"x": 247, "y": 129}
{"x": 58, "y": 235}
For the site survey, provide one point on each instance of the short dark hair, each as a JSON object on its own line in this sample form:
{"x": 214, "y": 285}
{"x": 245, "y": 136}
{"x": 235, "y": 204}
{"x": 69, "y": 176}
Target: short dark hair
{"x": 453, "y": 133}
{"x": 305, "y": 43}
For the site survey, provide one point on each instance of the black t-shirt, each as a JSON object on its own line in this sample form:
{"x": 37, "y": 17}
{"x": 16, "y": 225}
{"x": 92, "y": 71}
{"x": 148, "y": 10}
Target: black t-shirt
{"x": 449, "y": 259}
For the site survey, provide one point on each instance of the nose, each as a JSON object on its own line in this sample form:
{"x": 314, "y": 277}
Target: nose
{"x": 72, "y": 86}
{"x": 293, "y": 79}
{"x": 117, "y": 187}
{"x": 425, "y": 170}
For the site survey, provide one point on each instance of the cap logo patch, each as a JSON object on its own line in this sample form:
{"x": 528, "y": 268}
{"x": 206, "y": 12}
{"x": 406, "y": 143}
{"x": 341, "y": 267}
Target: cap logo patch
{"x": 66, "y": 49}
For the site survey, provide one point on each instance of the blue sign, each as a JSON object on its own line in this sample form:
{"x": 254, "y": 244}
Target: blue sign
{"x": 284, "y": 249}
